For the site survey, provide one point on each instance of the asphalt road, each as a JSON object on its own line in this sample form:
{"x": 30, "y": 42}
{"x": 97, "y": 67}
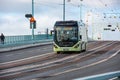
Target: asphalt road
{"x": 100, "y": 57}
{"x": 107, "y": 62}
{"x": 108, "y": 66}
{"x": 35, "y": 51}
{"x": 25, "y": 53}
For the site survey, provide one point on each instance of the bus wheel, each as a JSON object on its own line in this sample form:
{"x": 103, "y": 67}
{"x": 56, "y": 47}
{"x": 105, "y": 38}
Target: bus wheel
{"x": 85, "y": 48}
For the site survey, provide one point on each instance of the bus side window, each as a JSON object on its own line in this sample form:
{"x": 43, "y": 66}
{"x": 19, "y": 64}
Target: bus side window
{"x": 80, "y": 36}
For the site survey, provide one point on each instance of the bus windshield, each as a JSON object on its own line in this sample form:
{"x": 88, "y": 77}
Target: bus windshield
{"x": 66, "y": 34}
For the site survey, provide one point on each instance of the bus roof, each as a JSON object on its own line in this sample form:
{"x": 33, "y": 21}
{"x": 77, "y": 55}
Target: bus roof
{"x": 66, "y": 23}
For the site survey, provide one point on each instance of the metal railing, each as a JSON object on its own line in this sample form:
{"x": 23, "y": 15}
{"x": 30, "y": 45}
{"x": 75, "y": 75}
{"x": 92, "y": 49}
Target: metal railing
{"x": 25, "y": 39}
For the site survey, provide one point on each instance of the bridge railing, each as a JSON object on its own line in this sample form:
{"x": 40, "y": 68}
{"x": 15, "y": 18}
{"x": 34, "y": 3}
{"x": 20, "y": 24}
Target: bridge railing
{"x": 106, "y": 76}
{"x": 25, "y": 39}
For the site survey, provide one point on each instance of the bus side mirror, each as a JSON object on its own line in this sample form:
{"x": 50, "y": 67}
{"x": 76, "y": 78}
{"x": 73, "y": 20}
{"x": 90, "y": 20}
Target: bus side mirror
{"x": 80, "y": 36}
{"x": 51, "y": 32}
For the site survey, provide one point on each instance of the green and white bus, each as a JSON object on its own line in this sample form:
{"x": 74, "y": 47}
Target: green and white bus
{"x": 69, "y": 36}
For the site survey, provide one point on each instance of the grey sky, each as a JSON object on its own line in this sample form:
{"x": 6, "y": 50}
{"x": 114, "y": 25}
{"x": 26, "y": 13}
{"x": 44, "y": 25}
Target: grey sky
{"x": 13, "y": 21}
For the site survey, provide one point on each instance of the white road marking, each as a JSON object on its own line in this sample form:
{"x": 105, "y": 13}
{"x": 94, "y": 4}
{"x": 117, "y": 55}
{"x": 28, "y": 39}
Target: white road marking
{"x": 75, "y": 69}
{"x": 101, "y": 46}
{"x": 39, "y": 65}
{"x": 42, "y": 55}
{"x": 115, "y": 78}
{"x": 9, "y": 55}
{"x": 27, "y": 58}
{"x": 33, "y": 66}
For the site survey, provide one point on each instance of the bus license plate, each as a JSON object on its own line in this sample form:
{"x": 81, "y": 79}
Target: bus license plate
{"x": 65, "y": 49}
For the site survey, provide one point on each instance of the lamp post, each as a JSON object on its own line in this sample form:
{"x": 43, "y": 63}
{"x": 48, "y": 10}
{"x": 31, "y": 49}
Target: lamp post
{"x": 63, "y": 10}
{"x": 81, "y": 10}
{"x": 33, "y": 16}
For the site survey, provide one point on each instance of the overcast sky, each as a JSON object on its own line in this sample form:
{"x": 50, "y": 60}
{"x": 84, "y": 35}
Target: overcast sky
{"x": 13, "y": 21}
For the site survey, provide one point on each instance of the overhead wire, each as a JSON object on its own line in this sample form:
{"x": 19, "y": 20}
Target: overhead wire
{"x": 69, "y": 5}
{"x": 53, "y": 5}
{"x": 47, "y": 4}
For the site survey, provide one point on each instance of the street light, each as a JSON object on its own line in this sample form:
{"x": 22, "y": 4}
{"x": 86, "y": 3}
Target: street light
{"x": 81, "y": 10}
{"x": 32, "y": 20}
{"x": 63, "y": 10}
{"x": 33, "y": 16}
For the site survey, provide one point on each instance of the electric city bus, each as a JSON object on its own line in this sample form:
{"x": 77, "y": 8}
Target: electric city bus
{"x": 69, "y": 36}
